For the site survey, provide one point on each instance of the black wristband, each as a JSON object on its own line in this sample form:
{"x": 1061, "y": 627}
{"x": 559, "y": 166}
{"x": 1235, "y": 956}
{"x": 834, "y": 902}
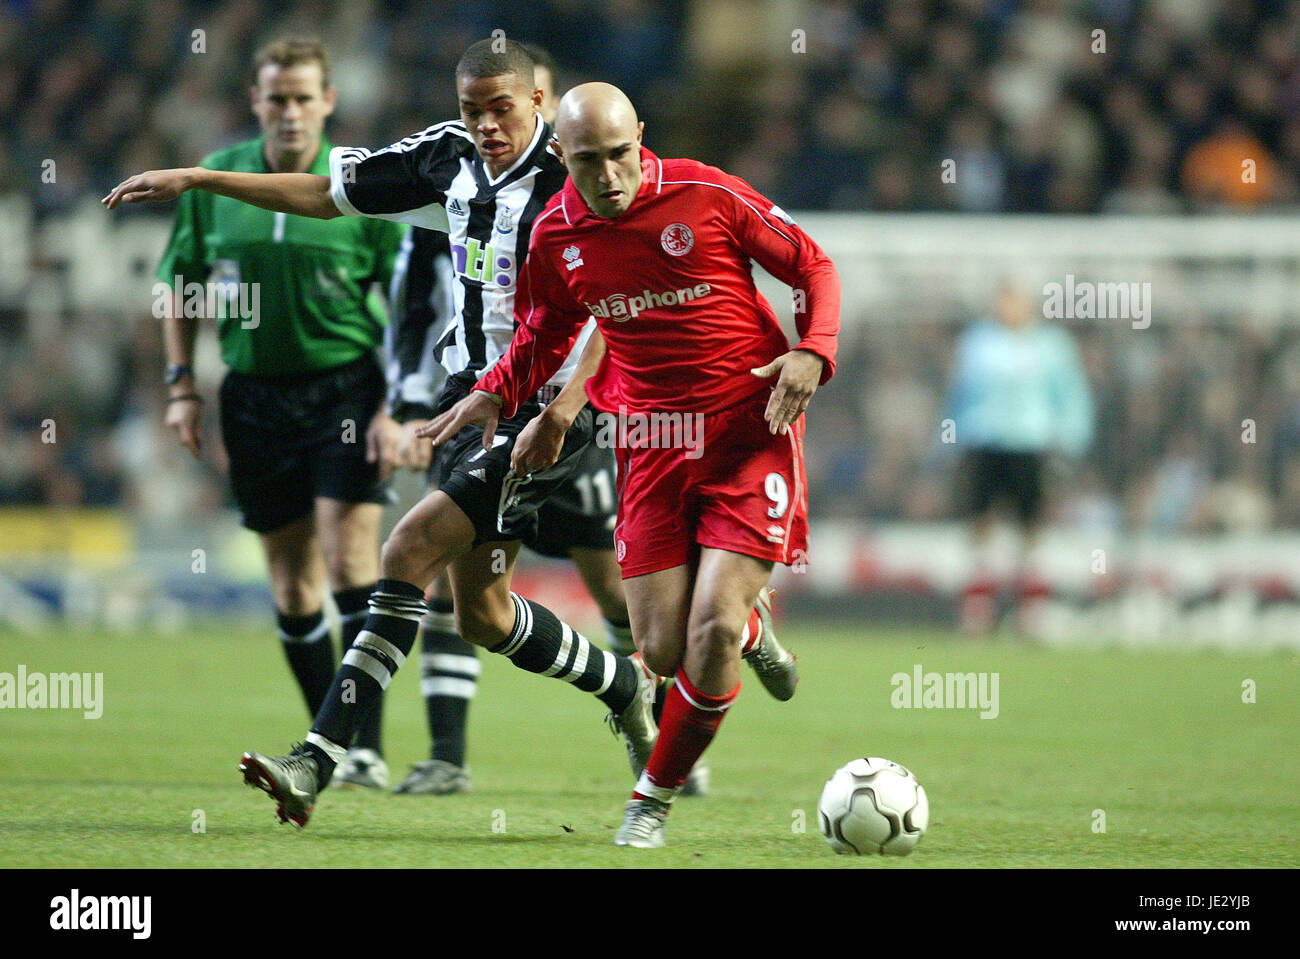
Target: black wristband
{"x": 185, "y": 396}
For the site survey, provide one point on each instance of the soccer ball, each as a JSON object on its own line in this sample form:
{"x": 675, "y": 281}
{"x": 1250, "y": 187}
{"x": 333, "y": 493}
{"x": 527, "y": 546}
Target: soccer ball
{"x": 873, "y": 805}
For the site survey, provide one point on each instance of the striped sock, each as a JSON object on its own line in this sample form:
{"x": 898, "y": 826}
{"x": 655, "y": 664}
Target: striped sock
{"x": 306, "y": 645}
{"x": 751, "y": 637}
{"x": 619, "y": 638}
{"x": 353, "y": 604}
{"x": 381, "y": 647}
{"x": 690, "y": 721}
{"x": 541, "y": 644}
{"x": 449, "y": 670}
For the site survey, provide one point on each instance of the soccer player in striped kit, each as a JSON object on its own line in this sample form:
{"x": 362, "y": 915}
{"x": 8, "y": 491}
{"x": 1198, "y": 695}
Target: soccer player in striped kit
{"x": 660, "y": 253}
{"x": 299, "y": 373}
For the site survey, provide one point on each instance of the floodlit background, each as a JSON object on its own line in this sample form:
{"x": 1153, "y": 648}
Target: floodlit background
{"x": 933, "y": 148}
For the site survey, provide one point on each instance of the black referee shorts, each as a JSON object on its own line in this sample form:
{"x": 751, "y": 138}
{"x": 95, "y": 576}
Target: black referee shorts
{"x": 994, "y": 476}
{"x": 291, "y": 439}
{"x": 502, "y": 506}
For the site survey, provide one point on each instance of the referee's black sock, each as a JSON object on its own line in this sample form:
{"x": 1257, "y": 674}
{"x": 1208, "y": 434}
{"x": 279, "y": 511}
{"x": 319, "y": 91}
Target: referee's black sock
{"x": 541, "y": 643}
{"x": 449, "y": 670}
{"x": 353, "y": 604}
{"x": 306, "y": 641}
{"x": 379, "y": 650}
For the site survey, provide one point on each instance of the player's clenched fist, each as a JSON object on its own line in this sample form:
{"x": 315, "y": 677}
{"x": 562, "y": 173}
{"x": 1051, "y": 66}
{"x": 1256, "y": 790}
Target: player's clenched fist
{"x": 158, "y": 186}
{"x": 801, "y": 371}
{"x": 477, "y": 409}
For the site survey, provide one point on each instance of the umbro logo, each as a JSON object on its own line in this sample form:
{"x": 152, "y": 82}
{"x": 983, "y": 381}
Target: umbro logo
{"x": 456, "y": 207}
{"x": 572, "y": 258}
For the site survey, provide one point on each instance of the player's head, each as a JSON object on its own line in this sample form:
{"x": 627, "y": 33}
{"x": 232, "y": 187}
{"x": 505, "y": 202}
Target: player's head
{"x": 291, "y": 95}
{"x": 544, "y": 75}
{"x": 498, "y": 100}
{"x": 600, "y": 143}
{"x": 1013, "y": 307}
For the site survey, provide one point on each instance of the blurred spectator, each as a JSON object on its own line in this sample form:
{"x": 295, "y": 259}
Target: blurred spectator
{"x": 1018, "y": 395}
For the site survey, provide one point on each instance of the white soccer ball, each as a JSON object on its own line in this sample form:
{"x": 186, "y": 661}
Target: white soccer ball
{"x": 873, "y": 806}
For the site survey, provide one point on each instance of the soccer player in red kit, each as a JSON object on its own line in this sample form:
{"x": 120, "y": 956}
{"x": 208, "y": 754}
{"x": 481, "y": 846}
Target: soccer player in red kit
{"x": 712, "y": 489}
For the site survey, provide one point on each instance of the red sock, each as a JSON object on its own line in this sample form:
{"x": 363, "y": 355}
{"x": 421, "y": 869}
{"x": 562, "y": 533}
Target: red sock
{"x": 752, "y": 637}
{"x": 690, "y": 721}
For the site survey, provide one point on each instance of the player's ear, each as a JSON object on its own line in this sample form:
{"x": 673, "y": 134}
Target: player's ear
{"x": 640, "y": 128}
{"x": 330, "y": 98}
{"x": 253, "y": 98}
{"x": 559, "y": 151}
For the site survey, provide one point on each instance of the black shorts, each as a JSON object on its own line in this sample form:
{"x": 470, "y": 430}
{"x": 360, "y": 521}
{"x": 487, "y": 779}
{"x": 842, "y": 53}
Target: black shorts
{"x": 997, "y": 475}
{"x": 584, "y": 510}
{"x": 502, "y": 507}
{"x": 291, "y": 439}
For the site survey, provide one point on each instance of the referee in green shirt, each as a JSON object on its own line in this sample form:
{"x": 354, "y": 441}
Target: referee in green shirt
{"x": 302, "y": 407}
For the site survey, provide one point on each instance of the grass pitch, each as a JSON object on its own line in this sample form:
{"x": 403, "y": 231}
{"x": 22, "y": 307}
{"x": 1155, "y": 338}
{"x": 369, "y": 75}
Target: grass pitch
{"x": 1156, "y": 748}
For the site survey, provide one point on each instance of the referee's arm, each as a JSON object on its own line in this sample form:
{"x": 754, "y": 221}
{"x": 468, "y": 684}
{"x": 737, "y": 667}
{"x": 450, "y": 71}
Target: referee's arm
{"x": 303, "y": 194}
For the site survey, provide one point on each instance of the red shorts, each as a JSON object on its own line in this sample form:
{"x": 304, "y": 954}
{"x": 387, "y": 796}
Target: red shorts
{"x": 720, "y": 480}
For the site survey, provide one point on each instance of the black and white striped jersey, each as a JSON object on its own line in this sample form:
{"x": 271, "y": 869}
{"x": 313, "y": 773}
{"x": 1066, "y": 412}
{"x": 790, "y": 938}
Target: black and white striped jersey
{"x": 422, "y": 322}
{"x": 437, "y": 180}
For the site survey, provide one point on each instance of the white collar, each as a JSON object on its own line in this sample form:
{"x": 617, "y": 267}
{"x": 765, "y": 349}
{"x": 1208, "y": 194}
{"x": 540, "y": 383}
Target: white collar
{"x": 528, "y": 151}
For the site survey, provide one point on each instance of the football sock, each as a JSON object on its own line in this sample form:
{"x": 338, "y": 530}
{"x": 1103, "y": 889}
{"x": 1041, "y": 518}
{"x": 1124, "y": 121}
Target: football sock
{"x": 379, "y": 650}
{"x": 619, "y": 638}
{"x": 306, "y": 641}
{"x": 353, "y": 605}
{"x": 449, "y": 670}
{"x": 541, "y": 643}
{"x": 690, "y": 721}
{"x": 751, "y": 637}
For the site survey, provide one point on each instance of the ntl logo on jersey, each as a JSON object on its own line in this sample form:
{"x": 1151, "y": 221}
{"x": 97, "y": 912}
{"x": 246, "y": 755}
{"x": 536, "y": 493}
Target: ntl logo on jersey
{"x": 620, "y": 307}
{"x": 483, "y": 264}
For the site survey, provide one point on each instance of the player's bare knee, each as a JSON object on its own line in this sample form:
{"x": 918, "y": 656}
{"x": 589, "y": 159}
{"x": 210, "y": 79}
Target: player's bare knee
{"x": 295, "y": 597}
{"x": 660, "y": 653}
{"x": 408, "y": 552}
{"x": 716, "y": 637}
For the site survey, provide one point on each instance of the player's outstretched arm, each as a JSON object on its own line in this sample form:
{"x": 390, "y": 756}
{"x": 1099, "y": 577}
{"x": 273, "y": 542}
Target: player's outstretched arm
{"x": 800, "y": 371}
{"x": 304, "y": 194}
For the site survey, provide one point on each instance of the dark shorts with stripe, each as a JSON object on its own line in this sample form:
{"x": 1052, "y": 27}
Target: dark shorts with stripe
{"x": 584, "y": 510}
{"x": 997, "y": 475}
{"x": 502, "y": 506}
{"x": 291, "y": 439}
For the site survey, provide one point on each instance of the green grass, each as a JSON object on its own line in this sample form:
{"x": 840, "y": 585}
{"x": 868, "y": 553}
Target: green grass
{"x": 1186, "y": 773}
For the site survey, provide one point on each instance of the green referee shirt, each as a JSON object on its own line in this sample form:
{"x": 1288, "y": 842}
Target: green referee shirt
{"x": 290, "y": 294}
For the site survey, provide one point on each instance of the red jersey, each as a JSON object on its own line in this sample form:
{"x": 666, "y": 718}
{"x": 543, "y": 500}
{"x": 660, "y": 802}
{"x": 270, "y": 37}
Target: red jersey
{"x": 670, "y": 285}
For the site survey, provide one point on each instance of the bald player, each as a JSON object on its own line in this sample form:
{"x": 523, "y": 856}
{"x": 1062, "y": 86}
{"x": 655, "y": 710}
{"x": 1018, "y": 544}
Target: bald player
{"x": 660, "y": 253}
{"x": 482, "y": 179}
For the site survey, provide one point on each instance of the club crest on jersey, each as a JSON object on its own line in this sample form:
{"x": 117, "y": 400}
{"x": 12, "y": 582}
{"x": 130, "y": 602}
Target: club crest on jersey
{"x": 483, "y": 264}
{"x": 572, "y": 258}
{"x": 504, "y": 223}
{"x": 677, "y": 239}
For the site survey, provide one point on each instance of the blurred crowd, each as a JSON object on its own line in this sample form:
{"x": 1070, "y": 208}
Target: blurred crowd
{"x": 1042, "y": 106}
{"x": 1132, "y": 106}
{"x": 1197, "y": 430}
